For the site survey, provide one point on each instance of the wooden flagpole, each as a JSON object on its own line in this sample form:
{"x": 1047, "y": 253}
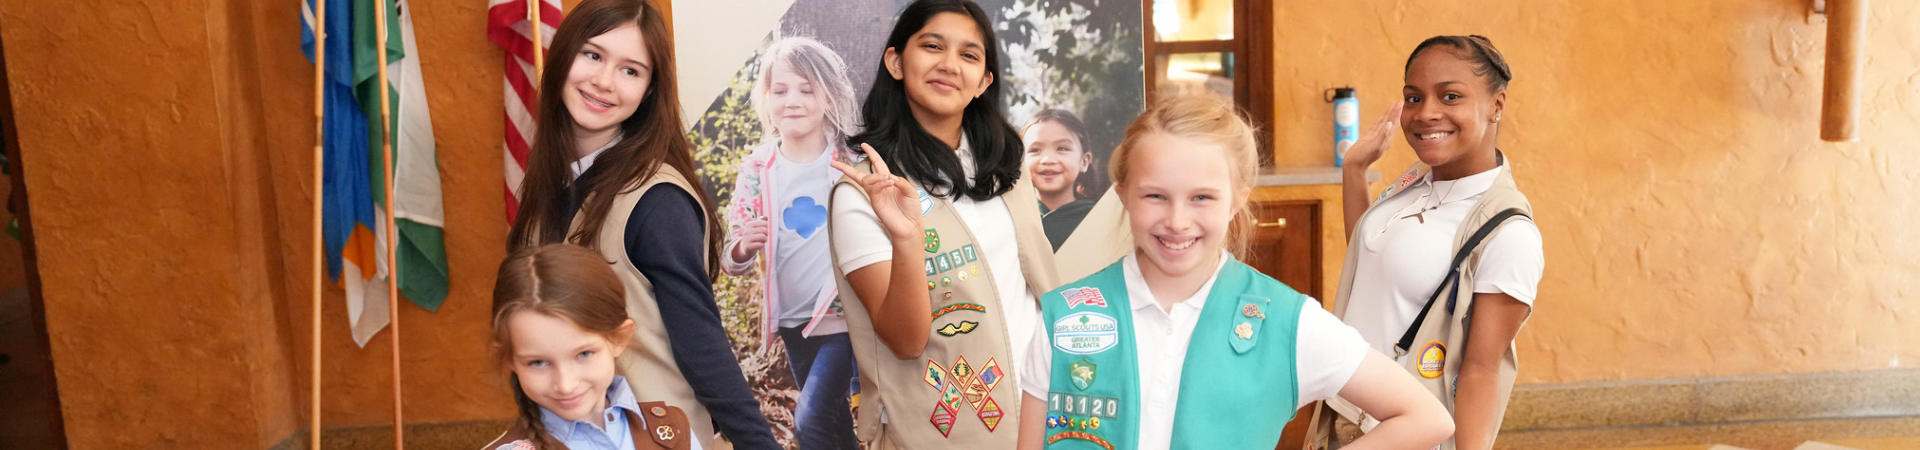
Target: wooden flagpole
{"x": 539, "y": 52}
{"x": 393, "y": 233}
{"x": 319, "y": 181}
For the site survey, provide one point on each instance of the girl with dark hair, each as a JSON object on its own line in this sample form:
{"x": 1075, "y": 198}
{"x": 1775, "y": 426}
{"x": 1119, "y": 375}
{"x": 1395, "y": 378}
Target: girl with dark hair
{"x": 1062, "y": 168}
{"x": 610, "y": 170}
{"x": 938, "y": 224}
{"x": 559, "y": 320}
{"x": 1445, "y": 219}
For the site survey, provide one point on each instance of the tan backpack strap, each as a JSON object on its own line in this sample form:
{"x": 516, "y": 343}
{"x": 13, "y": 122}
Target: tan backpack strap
{"x": 665, "y": 428}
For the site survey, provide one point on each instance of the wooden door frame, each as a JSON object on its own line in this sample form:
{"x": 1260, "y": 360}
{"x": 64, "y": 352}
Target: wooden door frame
{"x": 1252, "y": 47}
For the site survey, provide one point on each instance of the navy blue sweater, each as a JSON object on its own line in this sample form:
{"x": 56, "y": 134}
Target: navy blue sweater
{"x": 663, "y": 241}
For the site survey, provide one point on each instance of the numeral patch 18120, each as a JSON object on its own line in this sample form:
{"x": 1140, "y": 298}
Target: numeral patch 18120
{"x": 1085, "y": 405}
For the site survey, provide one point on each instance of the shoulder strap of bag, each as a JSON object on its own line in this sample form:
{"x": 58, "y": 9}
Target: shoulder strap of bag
{"x": 1459, "y": 257}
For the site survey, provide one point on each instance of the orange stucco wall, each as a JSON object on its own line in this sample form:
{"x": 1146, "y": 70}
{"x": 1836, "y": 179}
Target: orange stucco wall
{"x": 1695, "y": 223}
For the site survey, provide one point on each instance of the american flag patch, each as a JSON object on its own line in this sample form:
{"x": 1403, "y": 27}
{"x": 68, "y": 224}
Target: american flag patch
{"x": 1083, "y": 296}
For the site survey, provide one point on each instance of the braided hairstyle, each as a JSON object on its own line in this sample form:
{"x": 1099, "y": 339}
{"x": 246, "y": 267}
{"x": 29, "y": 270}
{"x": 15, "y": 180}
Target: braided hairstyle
{"x": 1476, "y": 50}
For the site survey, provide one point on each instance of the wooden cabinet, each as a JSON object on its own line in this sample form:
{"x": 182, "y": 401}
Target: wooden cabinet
{"x": 1285, "y": 244}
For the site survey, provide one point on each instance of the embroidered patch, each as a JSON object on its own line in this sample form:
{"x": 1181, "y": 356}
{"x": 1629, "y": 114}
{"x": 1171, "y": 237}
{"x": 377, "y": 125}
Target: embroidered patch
{"x": 961, "y": 369}
{"x": 959, "y": 307}
{"x": 942, "y": 418}
{"x": 976, "y": 394}
{"x": 1085, "y": 333}
{"x": 1085, "y": 405}
{"x": 933, "y": 241}
{"x": 1433, "y": 359}
{"x": 1081, "y": 373}
{"x": 967, "y": 251}
{"x": 950, "y": 397}
{"x": 963, "y": 327}
{"x": 1096, "y": 440}
{"x": 1083, "y": 296}
{"x": 936, "y": 375}
{"x": 941, "y": 263}
{"x": 990, "y": 414}
{"x": 990, "y": 374}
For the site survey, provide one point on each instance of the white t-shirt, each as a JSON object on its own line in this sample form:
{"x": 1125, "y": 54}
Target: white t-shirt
{"x": 801, "y": 250}
{"x": 1326, "y": 353}
{"x": 860, "y": 241}
{"x": 1403, "y": 259}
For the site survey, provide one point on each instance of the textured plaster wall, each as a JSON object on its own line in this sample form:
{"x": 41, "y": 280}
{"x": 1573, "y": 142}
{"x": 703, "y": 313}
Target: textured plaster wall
{"x": 1695, "y": 224}
{"x": 139, "y": 125}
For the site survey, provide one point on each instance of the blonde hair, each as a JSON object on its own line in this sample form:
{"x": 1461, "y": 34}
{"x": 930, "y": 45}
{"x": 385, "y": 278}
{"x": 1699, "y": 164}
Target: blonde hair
{"x": 1208, "y": 119}
{"x": 818, "y": 65}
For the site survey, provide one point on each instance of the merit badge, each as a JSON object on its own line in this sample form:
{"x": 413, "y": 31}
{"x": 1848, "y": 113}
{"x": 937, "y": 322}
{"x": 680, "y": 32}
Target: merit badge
{"x": 951, "y": 396}
{"x": 1433, "y": 359}
{"x": 1085, "y": 333}
{"x": 976, "y": 395}
{"x": 933, "y": 241}
{"x": 936, "y": 375}
{"x": 964, "y": 327}
{"x": 1252, "y": 310}
{"x": 990, "y": 414}
{"x": 1081, "y": 372}
{"x": 1096, "y": 440}
{"x": 1083, "y": 296}
{"x": 942, "y": 418}
{"x": 961, "y": 369}
{"x": 958, "y": 307}
{"x": 926, "y": 202}
{"x": 990, "y": 374}
{"x": 1244, "y": 330}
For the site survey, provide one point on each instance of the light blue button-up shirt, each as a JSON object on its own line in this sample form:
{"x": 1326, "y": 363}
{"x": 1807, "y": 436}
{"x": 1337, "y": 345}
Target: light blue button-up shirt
{"x": 580, "y": 435}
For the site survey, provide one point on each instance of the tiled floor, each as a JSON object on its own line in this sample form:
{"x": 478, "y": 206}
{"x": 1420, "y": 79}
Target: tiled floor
{"x": 1894, "y": 433}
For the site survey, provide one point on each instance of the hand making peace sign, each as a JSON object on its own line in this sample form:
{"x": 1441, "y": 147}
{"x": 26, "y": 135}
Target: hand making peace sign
{"x": 894, "y": 199}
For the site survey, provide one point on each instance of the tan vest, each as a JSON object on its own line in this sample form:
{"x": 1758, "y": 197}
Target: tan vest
{"x": 1104, "y": 236}
{"x": 648, "y": 361}
{"x": 962, "y": 392}
{"x": 1445, "y": 328}
{"x": 660, "y": 427}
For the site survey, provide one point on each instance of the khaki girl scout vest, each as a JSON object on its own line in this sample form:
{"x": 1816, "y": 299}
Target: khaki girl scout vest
{"x": 648, "y": 360}
{"x": 1435, "y": 358}
{"x": 662, "y": 427}
{"x": 962, "y": 391}
{"x": 1239, "y": 386}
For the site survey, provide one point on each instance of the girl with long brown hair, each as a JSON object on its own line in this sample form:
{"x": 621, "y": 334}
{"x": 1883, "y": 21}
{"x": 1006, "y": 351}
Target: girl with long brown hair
{"x": 611, "y": 170}
{"x": 559, "y": 320}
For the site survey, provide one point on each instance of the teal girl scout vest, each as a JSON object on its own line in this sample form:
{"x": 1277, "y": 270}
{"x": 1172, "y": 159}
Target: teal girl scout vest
{"x": 1235, "y": 392}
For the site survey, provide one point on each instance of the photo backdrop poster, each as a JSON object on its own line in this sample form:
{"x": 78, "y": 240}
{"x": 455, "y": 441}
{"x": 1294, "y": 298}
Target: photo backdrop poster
{"x": 1080, "y": 57}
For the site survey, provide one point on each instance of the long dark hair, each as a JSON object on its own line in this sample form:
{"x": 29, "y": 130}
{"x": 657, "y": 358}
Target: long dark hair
{"x": 649, "y": 139}
{"x": 908, "y": 148}
{"x": 559, "y": 280}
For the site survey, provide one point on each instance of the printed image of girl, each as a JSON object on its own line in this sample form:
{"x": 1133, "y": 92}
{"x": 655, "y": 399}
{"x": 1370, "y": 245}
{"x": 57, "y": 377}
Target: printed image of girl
{"x": 806, "y": 106}
{"x": 1456, "y": 336}
{"x": 610, "y": 170}
{"x": 1058, "y": 161}
{"x": 559, "y": 320}
{"x": 1180, "y": 345}
{"x": 937, "y": 236}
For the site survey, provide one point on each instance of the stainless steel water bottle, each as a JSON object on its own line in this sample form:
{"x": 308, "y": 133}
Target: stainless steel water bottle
{"x": 1346, "y": 121}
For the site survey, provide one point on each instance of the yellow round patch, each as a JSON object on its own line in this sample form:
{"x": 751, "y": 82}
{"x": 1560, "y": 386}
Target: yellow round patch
{"x": 1433, "y": 359}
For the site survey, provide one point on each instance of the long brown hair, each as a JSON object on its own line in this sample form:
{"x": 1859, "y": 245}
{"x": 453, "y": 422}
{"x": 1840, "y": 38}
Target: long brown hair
{"x": 564, "y": 281}
{"x": 649, "y": 139}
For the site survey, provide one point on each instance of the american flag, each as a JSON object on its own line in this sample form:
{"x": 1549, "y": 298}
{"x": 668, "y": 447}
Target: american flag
{"x": 1083, "y": 296}
{"x": 509, "y": 27}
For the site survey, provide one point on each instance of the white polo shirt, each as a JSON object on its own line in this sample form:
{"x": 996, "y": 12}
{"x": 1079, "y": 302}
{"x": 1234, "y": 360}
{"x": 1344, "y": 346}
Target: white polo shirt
{"x": 860, "y": 242}
{"x": 1404, "y": 249}
{"x": 1162, "y": 336}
